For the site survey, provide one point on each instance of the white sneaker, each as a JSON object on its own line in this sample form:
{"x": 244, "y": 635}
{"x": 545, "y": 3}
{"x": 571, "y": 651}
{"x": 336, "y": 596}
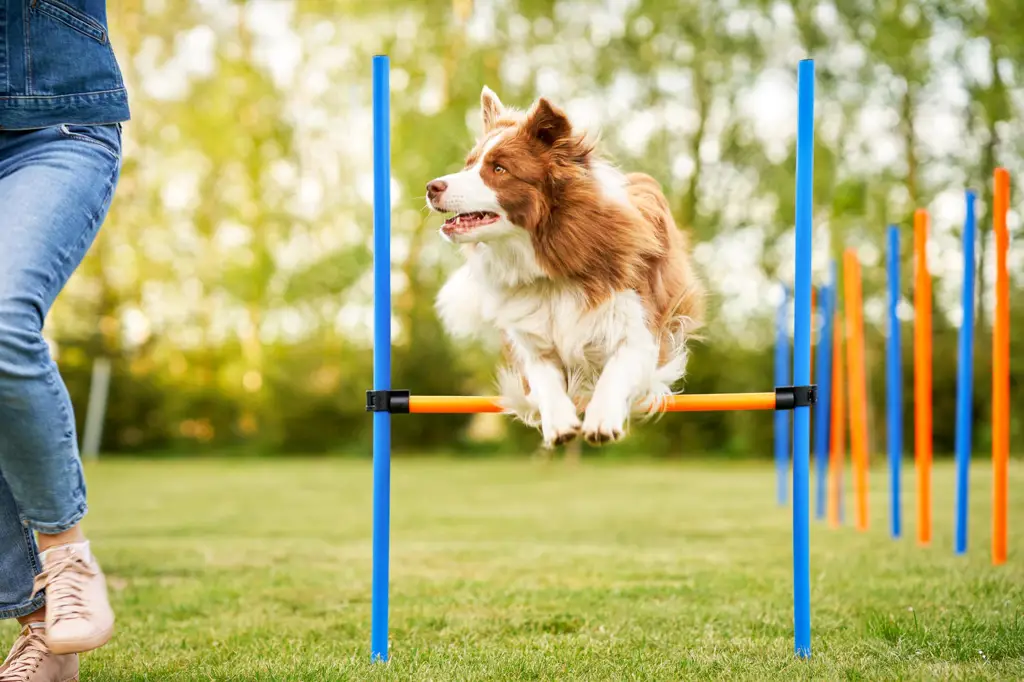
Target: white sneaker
{"x": 78, "y": 613}
{"x": 31, "y": 661}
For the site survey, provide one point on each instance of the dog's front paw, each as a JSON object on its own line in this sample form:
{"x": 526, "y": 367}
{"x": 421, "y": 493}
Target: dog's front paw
{"x": 604, "y": 422}
{"x": 560, "y": 427}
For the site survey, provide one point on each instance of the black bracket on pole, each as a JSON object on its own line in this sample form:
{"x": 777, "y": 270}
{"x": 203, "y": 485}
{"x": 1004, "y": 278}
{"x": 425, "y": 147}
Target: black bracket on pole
{"x": 394, "y": 401}
{"x": 792, "y": 397}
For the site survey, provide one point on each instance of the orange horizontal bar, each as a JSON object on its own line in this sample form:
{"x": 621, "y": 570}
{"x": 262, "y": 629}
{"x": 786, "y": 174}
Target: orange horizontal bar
{"x": 454, "y": 404}
{"x": 714, "y": 402}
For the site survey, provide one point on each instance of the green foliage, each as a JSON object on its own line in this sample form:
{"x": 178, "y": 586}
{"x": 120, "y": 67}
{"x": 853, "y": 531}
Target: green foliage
{"x": 231, "y": 283}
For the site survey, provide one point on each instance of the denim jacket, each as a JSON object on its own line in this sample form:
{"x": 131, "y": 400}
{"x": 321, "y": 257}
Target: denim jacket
{"x": 57, "y": 65}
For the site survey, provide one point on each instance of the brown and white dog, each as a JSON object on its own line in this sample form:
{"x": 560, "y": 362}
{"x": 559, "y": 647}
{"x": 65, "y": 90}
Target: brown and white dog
{"x": 580, "y": 267}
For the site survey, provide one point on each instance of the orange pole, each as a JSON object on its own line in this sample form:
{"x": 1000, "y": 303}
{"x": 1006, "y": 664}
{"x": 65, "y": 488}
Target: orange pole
{"x": 454, "y": 404}
{"x": 719, "y": 402}
{"x": 1001, "y": 372}
{"x": 857, "y": 385}
{"x": 923, "y": 378}
{"x": 837, "y": 447}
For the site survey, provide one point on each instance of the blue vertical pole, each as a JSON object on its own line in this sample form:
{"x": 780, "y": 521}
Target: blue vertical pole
{"x": 965, "y": 381}
{"x": 834, "y": 274}
{"x": 894, "y": 385}
{"x": 782, "y": 378}
{"x": 802, "y": 359}
{"x": 823, "y": 409}
{"x": 381, "y": 356}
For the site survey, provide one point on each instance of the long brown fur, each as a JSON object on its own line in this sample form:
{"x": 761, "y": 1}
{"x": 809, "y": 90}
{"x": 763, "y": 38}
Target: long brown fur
{"x": 581, "y": 235}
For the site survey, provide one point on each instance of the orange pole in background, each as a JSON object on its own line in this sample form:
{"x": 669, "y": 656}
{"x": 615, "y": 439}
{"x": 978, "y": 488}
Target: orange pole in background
{"x": 923, "y": 378}
{"x": 1001, "y": 372}
{"x": 857, "y": 385}
{"x": 716, "y": 402}
{"x": 837, "y": 446}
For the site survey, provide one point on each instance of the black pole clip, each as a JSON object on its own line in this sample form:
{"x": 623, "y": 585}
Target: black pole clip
{"x": 393, "y": 401}
{"x": 792, "y": 397}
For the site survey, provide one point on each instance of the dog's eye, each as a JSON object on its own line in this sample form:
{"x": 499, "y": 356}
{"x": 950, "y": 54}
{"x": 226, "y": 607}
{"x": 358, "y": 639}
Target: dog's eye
{"x": 498, "y": 169}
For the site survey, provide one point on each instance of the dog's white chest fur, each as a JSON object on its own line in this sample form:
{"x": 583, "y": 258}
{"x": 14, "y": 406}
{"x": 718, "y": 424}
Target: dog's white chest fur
{"x": 537, "y": 315}
{"x": 554, "y": 322}
{"x": 572, "y": 355}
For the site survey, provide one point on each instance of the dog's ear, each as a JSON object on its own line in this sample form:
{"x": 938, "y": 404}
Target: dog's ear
{"x": 491, "y": 108}
{"x": 547, "y": 123}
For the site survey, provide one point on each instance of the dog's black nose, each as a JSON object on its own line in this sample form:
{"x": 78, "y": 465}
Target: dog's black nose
{"x": 436, "y": 187}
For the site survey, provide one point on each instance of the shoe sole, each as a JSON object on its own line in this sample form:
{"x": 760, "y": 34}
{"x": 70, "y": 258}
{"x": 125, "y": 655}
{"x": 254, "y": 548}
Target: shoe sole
{"x": 81, "y": 646}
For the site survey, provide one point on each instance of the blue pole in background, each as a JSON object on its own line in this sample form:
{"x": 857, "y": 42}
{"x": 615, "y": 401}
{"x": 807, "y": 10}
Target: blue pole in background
{"x": 823, "y": 409}
{"x": 965, "y": 381}
{"x": 834, "y": 274}
{"x": 894, "y": 384}
{"x": 802, "y": 359}
{"x": 381, "y": 355}
{"x": 782, "y": 378}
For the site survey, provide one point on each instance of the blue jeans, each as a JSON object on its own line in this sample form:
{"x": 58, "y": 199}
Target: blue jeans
{"x": 56, "y": 185}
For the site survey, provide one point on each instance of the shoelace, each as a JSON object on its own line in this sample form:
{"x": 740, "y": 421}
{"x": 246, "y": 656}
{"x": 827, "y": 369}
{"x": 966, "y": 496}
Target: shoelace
{"x": 26, "y": 656}
{"x": 64, "y": 581}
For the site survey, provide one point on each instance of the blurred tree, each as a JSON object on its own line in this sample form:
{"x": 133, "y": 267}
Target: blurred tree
{"x": 231, "y": 282}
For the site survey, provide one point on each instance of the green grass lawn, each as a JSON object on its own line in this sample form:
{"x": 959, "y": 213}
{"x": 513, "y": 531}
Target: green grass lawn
{"x": 260, "y": 570}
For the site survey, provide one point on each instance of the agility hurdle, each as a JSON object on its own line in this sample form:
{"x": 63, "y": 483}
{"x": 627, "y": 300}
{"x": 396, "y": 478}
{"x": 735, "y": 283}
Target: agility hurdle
{"x": 823, "y": 301}
{"x": 922, "y": 351}
{"x": 856, "y": 386}
{"x": 822, "y": 418}
{"x": 965, "y": 381}
{"x": 1001, "y": 372}
{"x": 894, "y": 387}
{"x": 383, "y": 401}
{"x": 837, "y": 432}
{"x": 923, "y": 378}
{"x": 783, "y": 376}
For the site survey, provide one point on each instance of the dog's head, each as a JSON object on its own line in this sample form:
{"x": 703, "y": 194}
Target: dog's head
{"x": 513, "y": 178}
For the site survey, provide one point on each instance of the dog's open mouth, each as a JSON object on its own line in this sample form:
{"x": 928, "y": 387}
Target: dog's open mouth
{"x": 465, "y": 222}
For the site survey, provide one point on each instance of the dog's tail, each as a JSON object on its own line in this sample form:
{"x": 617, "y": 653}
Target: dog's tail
{"x": 514, "y": 397}
{"x": 663, "y": 385}
{"x": 674, "y": 334}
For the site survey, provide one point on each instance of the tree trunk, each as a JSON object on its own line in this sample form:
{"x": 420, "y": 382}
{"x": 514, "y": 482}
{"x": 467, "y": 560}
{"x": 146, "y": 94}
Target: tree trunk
{"x": 988, "y": 167}
{"x": 907, "y": 110}
{"x": 704, "y": 97}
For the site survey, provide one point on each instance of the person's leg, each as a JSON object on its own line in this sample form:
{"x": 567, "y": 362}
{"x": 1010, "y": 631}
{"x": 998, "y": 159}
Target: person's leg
{"x": 56, "y": 185}
{"x": 19, "y": 563}
{"x": 29, "y": 658}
